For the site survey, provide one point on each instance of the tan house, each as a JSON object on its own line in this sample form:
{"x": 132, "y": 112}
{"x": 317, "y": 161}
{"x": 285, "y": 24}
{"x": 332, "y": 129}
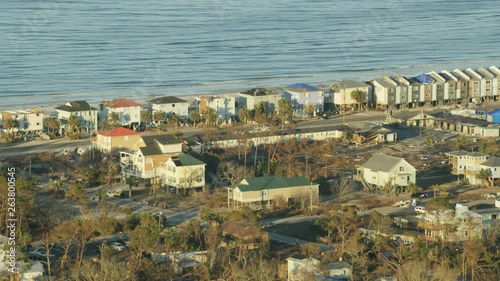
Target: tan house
{"x": 470, "y": 163}
{"x": 115, "y": 140}
{"x": 150, "y": 152}
{"x": 273, "y": 190}
{"x": 160, "y": 159}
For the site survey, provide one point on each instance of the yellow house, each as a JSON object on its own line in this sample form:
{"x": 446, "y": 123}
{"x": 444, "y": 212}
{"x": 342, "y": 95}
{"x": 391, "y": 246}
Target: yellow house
{"x": 273, "y": 190}
{"x": 117, "y": 139}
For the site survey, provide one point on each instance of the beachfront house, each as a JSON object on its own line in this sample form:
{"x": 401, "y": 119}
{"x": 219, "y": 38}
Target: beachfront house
{"x": 273, "y": 191}
{"x": 28, "y": 120}
{"x": 469, "y": 164}
{"x": 224, "y": 106}
{"x": 383, "y": 169}
{"x": 341, "y": 94}
{"x": 306, "y": 100}
{"x": 118, "y": 139}
{"x": 250, "y": 98}
{"x": 383, "y": 90}
{"x": 129, "y": 112}
{"x": 86, "y": 114}
{"x": 170, "y": 105}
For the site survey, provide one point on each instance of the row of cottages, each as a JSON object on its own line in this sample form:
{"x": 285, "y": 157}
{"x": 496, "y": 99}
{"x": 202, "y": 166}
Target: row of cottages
{"x": 383, "y": 169}
{"x": 433, "y": 88}
{"x": 453, "y": 123}
{"x": 374, "y": 135}
{"x": 469, "y": 164}
{"x": 28, "y": 120}
{"x": 273, "y": 191}
{"x": 157, "y": 158}
{"x": 451, "y": 225}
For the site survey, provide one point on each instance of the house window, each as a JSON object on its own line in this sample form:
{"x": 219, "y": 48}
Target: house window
{"x": 264, "y": 193}
{"x": 488, "y": 82}
{"x": 37, "y": 123}
{"x": 126, "y": 138}
{"x": 401, "y": 169}
{"x": 403, "y": 97}
{"x": 391, "y": 98}
{"x": 440, "y": 94}
{"x": 173, "y": 105}
{"x": 440, "y": 86}
{"x": 476, "y": 83}
{"x": 466, "y": 233}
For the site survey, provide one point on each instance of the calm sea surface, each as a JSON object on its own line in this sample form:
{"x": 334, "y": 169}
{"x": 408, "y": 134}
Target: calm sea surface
{"x": 56, "y": 50}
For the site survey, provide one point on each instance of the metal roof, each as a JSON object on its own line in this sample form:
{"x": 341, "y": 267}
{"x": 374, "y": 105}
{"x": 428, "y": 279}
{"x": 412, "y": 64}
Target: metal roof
{"x": 271, "y": 182}
{"x": 382, "y": 163}
{"x": 493, "y": 161}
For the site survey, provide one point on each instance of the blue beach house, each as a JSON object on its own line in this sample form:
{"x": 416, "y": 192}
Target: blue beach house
{"x": 493, "y": 116}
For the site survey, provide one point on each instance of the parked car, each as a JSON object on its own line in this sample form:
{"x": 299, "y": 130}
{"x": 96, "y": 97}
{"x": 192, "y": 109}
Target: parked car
{"x": 268, "y": 225}
{"x": 489, "y": 196}
{"x": 117, "y": 246}
{"x": 420, "y": 209}
{"x": 40, "y": 254}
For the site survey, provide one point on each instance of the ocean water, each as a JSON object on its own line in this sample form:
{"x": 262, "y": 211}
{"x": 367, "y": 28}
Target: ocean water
{"x": 53, "y": 51}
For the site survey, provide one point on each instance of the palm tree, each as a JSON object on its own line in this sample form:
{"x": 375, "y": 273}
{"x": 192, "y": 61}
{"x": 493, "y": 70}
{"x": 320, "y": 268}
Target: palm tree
{"x": 210, "y": 116}
{"x": 10, "y": 124}
{"x": 147, "y": 117}
{"x": 437, "y": 189}
{"x": 113, "y": 119}
{"x": 244, "y": 115}
{"x": 413, "y": 188}
{"x": 310, "y": 109}
{"x": 74, "y": 127}
{"x": 195, "y": 117}
{"x": 359, "y": 96}
{"x": 483, "y": 175}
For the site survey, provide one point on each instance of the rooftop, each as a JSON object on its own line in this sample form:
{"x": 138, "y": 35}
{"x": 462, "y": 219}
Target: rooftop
{"x": 167, "y": 99}
{"x": 302, "y": 87}
{"x": 349, "y": 84}
{"x": 117, "y": 103}
{"x": 119, "y": 132}
{"x": 186, "y": 160}
{"x": 384, "y": 82}
{"x": 261, "y": 92}
{"x": 271, "y": 182}
{"x": 493, "y": 161}
{"x": 382, "y": 162}
{"x": 75, "y": 106}
{"x": 152, "y": 143}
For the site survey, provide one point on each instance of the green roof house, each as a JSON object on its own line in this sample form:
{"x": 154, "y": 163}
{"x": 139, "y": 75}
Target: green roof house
{"x": 273, "y": 191}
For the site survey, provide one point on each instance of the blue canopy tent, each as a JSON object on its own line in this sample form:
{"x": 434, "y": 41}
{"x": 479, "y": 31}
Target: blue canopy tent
{"x": 423, "y": 78}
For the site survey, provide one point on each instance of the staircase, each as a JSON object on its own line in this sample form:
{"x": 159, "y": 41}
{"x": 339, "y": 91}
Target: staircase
{"x": 361, "y": 179}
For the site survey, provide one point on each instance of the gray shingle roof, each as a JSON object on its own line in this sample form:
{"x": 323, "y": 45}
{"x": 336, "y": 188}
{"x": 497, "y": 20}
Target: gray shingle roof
{"x": 382, "y": 162}
{"x": 271, "y": 182}
{"x": 167, "y": 99}
{"x": 350, "y": 84}
{"x": 493, "y": 161}
{"x": 384, "y": 83}
{"x": 151, "y": 143}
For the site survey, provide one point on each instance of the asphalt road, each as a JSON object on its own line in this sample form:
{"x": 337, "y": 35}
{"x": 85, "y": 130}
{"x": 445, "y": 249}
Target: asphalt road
{"x": 38, "y": 146}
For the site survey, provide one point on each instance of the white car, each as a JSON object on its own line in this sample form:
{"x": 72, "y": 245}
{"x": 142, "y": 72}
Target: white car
{"x": 117, "y": 246}
{"x": 268, "y": 225}
{"x": 490, "y": 196}
{"x": 420, "y": 209}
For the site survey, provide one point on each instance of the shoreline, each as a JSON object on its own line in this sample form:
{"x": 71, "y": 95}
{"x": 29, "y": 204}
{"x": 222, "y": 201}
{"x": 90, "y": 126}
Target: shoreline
{"x": 48, "y": 101}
